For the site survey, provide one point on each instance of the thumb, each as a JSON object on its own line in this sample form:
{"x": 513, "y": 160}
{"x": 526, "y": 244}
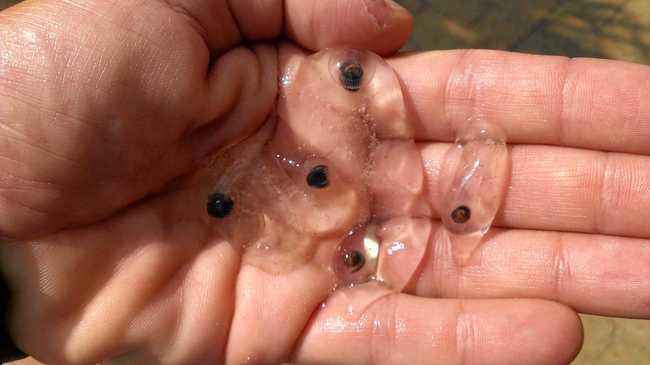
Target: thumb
{"x": 381, "y": 26}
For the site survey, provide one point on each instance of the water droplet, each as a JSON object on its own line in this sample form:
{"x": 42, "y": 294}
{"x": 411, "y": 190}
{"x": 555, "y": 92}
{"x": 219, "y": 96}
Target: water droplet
{"x": 395, "y": 247}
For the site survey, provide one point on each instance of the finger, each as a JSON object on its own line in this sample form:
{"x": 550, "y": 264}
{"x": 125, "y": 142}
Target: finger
{"x": 591, "y": 273}
{"x": 381, "y": 26}
{"x": 586, "y": 103}
{"x": 565, "y": 189}
{"x": 241, "y": 91}
{"x": 402, "y": 329}
{"x": 276, "y": 297}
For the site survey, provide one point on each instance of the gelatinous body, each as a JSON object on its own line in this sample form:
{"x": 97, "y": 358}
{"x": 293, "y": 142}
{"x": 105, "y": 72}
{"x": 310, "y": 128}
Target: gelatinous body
{"x": 473, "y": 179}
{"x": 306, "y": 188}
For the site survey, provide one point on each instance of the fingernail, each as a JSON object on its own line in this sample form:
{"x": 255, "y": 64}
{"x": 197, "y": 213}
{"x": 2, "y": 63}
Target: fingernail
{"x": 385, "y": 10}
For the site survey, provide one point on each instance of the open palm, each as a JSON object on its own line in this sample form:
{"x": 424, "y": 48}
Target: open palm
{"x": 110, "y": 110}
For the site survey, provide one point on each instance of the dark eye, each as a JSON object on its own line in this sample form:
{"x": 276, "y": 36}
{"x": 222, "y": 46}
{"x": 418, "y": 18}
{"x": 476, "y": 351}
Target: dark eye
{"x": 461, "y": 214}
{"x": 318, "y": 177}
{"x": 353, "y": 260}
{"x": 220, "y": 205}
{"x": 351, "y": 75}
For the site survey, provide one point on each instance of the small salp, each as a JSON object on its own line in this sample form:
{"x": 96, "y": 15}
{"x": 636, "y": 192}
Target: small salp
{"x": 473, "y": 182}
{"x": 473, "y": 179}
{"x": 355, "y": 258}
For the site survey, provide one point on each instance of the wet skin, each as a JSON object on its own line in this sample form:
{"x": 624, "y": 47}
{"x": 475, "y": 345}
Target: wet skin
{"x": 108, "y": 143}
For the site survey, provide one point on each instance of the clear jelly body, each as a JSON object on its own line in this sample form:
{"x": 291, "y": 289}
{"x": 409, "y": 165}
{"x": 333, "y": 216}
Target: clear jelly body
{"x": 335, "y": 179}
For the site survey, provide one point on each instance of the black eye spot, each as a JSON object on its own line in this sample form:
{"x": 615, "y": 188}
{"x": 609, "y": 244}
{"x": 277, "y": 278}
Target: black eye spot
{"x": 354, "y": 260}
{"x": 220, "y": 205}
{"x": 461, "y": 214}
{"x": 351, "y": 75}
{"x": 317, "y": 177}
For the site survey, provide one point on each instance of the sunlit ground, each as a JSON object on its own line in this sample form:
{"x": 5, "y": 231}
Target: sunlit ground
{"x": 616, "y": 29}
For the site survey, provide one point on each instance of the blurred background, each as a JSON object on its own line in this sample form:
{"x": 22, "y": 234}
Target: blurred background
{"x": 616, "y": 29}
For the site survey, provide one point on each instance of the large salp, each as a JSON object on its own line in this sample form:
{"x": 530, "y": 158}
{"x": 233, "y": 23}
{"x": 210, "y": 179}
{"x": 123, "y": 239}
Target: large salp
{"x": 334, "y": 179}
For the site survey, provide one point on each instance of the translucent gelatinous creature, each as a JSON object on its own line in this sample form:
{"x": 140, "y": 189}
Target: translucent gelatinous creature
{"x": 356, "y": 257}
{"x": 334, "y": 179}
{"x": 473, "y": 179}
{"x": 305, "y": 188}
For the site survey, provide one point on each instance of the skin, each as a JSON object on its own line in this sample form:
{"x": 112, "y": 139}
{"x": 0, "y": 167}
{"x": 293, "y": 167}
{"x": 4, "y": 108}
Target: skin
{"x": 108, "y": 111}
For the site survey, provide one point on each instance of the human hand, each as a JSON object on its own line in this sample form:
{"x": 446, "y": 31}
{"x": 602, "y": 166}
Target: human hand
{"x": 127, "y": 281}
{"x": 108, "y": 104}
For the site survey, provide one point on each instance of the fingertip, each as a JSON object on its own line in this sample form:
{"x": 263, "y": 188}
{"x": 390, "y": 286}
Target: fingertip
{"x": 395, "y": 25}
{"x": 381, "y": 26}
{"x": 546, "y": 332}
{"x": 563, "y": 335}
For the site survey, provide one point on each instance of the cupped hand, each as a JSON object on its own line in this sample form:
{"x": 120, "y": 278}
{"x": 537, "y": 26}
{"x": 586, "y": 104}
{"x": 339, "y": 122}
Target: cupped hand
{"x": 110, "y": 108}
